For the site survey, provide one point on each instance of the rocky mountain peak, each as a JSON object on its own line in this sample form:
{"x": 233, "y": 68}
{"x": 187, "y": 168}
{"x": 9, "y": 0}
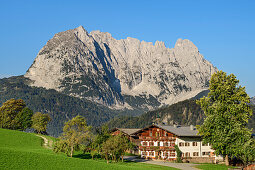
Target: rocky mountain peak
{"x": 100, "y": 68}
{"x": 185, "y": 45}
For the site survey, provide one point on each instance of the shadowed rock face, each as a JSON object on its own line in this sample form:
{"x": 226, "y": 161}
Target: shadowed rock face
{"x": 100, "y": 68}
{"x": 253, "y": 100}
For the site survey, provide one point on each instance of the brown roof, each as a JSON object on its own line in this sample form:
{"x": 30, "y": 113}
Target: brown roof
{"x": 127, "y": 131}
{"x": 177, "y": 130}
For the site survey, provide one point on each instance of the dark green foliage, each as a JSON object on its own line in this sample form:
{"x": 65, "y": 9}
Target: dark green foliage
{"x": 103, "y": 135}
{"x": 24, "y": 117}
{"x": 227, "y": 114}
{"x": 59, "y": 106}
{"x": 184, "y": 113}
{"x": 15, "y": 115}
{"x": 179, "y": 154}
{"x": 115, "y": 146}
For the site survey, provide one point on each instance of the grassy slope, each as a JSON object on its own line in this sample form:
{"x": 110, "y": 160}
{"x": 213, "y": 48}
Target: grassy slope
{"x": 19, "y": 150}
{"x": 213, "y": 167}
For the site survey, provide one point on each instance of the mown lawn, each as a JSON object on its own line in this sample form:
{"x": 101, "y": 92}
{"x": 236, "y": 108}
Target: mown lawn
{"x": 213, "y": 167}
{"x": 19, "y": 150}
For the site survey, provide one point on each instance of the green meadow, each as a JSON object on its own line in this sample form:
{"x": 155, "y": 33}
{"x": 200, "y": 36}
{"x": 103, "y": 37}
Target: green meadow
{"x": 19, "y": 150}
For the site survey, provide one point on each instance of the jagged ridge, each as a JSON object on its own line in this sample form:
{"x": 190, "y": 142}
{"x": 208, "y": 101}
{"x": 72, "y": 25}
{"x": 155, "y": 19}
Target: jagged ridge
{"x": 100, "y": 68}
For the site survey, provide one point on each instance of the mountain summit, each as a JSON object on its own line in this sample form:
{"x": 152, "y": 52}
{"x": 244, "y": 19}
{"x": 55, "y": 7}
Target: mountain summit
{"x": 125, "y": 73}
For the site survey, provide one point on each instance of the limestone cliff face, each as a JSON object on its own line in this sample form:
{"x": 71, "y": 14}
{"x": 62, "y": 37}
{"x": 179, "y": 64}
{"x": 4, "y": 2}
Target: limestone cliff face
{"x": 116, "y": 72}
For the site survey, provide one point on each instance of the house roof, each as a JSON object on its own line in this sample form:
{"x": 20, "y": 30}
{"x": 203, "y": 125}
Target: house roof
{"x": 127, "y": 131}
{"x": 180, "y": 131}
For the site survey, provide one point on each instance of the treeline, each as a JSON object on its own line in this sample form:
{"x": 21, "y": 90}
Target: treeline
{"x": 183, "y": 113}
{"x": 186, "y": 112}
{"x": 60, "y": 107}
{"x": 77, "y": 136}
{"x": 15, "y": 115}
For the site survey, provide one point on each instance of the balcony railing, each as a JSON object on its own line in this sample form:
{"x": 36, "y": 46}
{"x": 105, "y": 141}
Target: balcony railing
{"x": 154, "y": 138}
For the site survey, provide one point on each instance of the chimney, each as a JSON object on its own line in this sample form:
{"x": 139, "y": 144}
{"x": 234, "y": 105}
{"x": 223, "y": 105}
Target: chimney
{"x": 191, "y": 127}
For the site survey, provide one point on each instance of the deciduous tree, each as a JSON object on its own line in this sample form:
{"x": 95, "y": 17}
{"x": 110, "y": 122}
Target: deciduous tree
{"x": 75, "y": 133}
{"x": 40, "y": 122}
{"x": 103, "y": 134}
{"x": 116, "y": 147}
{"x": 23, "y": 119}
{"x": 227, "y": 114}
{"x": 15, "y": 115}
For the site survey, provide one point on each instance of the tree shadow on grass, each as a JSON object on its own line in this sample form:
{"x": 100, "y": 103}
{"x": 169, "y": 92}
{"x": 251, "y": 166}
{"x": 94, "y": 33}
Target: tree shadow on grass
{"x": 82, "y": 156}
{"x": 88, "y": 156}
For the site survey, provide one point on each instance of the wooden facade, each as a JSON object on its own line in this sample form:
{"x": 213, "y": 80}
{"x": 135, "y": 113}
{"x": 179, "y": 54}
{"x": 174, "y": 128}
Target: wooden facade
{"x": 156, "y": 143}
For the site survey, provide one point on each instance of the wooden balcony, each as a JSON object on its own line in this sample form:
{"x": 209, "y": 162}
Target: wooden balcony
{"x": 156, "y": 148}
{"x": 153, "y": 138}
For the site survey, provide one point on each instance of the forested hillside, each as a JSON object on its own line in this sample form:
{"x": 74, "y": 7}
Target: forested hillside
{"x": 59, "y": 106}
{"x": 183, "y": 113}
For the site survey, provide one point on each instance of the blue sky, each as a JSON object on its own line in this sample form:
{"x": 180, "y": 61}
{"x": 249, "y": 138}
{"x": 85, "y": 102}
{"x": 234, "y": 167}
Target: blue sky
{"x": 223, "y": 31}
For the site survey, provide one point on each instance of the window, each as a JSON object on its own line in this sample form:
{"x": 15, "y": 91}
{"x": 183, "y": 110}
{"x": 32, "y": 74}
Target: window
{"x": 166, "y": 144}
{"x": 195, "y": 153}
{"x": 172, "y": 154}
{"x": 194, "y": 143}
{"x": 151, "y": 153}
{"x": 172, "y": 144}
{"x": 144, "y": 143}
{"x": 181, "y": 144}
{"x": 158, "y": 143}
{"x": 186, "y": 143}
{"x": 187, "y": 154}
{"x": 144, "y": 153}
{"x": 150, "y": 133}
{"x": 151, "y": 144}
{"x": 205, "y": 153}
{"x": 166, "y": 154}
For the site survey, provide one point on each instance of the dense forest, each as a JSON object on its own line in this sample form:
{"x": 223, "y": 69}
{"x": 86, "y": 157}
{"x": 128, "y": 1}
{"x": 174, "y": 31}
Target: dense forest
{"x": 60, "y": 107}
{"x": 186, "y": 112}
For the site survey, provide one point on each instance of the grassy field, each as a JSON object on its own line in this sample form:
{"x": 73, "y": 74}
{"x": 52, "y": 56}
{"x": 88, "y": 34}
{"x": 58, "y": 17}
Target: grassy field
{"x": 19, "y": 150}
{"x": 213, "y": 167}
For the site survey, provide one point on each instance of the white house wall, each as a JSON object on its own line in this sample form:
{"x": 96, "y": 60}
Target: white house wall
{"x": 191, "y": 149}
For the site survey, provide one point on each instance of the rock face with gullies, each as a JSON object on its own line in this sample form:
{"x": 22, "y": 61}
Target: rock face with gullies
{"x": 252, "y": 100}
{"x": 120, "y": 73}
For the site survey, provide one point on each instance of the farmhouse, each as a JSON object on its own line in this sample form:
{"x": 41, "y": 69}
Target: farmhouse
{"x": 158, "y": 141}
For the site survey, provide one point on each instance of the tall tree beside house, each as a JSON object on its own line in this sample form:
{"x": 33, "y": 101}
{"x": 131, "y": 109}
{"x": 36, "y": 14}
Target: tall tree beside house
{"x": 227, "y": 114}
{"x": 116, "y": 147}
{"x": 15, "y": 115}
{"x": 103, "y": 135}
{"x": 123, "y": 144}
{"x": 40, "y": 122}
{"x": 76, "y": 132}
